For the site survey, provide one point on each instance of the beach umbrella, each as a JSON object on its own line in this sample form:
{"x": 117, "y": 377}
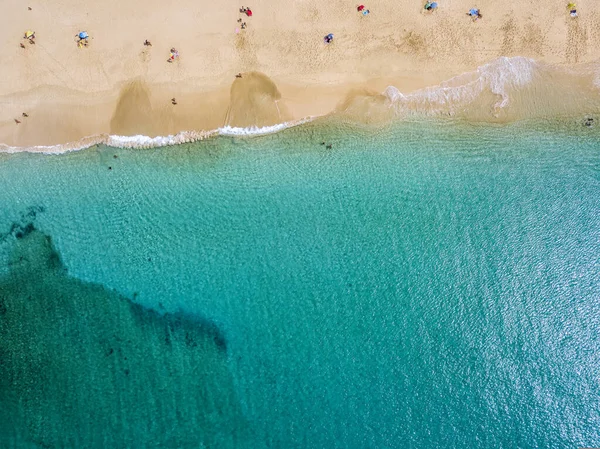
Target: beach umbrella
{"x": 473, "y": 11}
{"x": 83, "y": 35}
{"x": 29, "y": 34}
{"x": 360, "y": 8}
{"x": 434, "y": 5}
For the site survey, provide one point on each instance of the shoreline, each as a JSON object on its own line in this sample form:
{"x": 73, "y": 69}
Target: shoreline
{"x": 59, "y": 116}
{"x": 142, "y": 116}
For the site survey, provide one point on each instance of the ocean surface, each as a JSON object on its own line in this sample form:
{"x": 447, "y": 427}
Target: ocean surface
{"x": 431, "y": 283}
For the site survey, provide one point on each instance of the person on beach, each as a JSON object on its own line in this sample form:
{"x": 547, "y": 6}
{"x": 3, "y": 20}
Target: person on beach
{"x": 430, "y": 6}
{"x": 173, "y": 55}
{"x": 147, "y": 43}
{"x": 82, "y": 39}
{"x": 244, "y": 26}
{"x": 239, "y": 75}
{"x": 30, "y": 36}
{"x": 572, "y": 10}
{"x": 173, "y": 101}
{"x": 475, "y": 14}
{"x": 328, "y": 38}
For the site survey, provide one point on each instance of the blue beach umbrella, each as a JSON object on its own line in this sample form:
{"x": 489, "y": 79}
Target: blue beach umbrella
{"x": 473, "y": 11}
{"x": 83, "y": 35}
{"x": 434, "y": 5}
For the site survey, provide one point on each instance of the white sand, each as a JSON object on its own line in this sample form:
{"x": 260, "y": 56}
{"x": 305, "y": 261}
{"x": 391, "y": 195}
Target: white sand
{"x": 118, "y": 86}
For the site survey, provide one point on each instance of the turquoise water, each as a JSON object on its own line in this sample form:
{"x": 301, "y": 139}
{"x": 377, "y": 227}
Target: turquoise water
{"x": 421, "y": 285}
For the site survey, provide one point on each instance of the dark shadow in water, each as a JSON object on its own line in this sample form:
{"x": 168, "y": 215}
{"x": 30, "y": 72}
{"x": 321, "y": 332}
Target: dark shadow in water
{"x": 82, "y": 366}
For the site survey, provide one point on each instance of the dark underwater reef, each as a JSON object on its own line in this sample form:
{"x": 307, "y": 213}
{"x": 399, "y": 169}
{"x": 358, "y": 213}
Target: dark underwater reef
{"x": 82, "y": 366}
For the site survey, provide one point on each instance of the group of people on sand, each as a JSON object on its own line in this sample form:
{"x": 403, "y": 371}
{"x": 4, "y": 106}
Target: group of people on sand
{"x": 248, "y": 13}
{"x": 475, "y": 13}
{"x": 572, "y": 7}
{"x": 361, "y": 9}
{"x": 25, "y": 115}
{"x": 29, "y": 36}
{"x": 430, "y": 6}
{"x": 173, "y": 55}
{"x": 82, "y": 38}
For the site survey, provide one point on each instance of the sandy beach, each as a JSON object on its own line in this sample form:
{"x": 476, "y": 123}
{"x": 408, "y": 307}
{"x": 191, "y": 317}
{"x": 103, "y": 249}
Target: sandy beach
{"x": 117, "y": 85}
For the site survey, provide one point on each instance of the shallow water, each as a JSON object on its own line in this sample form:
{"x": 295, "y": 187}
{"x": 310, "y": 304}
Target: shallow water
{"x": 427, "y": 284}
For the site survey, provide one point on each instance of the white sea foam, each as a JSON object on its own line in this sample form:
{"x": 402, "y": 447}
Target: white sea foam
{"x": 499, "y": 77}
{"x": 142, "y": 142}
{"x": 256, "y": 131}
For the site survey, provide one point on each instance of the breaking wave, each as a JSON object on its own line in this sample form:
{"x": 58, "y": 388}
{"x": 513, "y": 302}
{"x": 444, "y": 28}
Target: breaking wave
{"x": 498, "y": 76}
{"x": 510, "y": 88}
{"x": 145, "y": 142}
